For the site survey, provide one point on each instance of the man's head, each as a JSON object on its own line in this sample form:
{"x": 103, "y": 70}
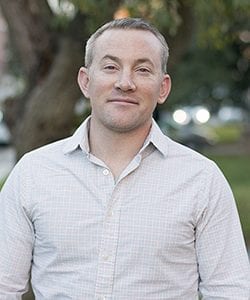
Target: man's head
{"x": 125, "y": 76}
{"x": 127, "y": 24}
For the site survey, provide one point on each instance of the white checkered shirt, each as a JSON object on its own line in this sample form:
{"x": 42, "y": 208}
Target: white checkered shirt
{"x": 166, "y": 229}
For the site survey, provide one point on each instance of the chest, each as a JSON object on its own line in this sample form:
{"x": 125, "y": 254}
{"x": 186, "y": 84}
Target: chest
{"x": 140, "y": 215}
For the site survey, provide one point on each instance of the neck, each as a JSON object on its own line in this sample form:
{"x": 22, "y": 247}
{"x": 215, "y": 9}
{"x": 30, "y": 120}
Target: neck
{"x": 116, "y": 149}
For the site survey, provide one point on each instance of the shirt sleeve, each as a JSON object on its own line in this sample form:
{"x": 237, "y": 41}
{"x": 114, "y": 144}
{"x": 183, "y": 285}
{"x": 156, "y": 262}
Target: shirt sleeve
{"x": 16, "y": 237}
{"x": 221, "y": 253}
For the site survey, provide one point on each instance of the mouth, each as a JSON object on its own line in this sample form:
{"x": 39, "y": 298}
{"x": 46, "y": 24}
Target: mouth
{"x": 123, "y": 101}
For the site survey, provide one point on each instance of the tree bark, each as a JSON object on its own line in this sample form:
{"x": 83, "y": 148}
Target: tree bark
{"x": 49, "y": 111}
{"x": 33, "y": 43}
{"x": 29, "y": 32}
{"x": 180, "y": 43}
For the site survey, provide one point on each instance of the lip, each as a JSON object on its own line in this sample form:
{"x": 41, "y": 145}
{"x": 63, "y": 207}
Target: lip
{"x": 120, "y": 100}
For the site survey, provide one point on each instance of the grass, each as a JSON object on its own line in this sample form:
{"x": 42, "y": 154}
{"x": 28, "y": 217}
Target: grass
{"x": 237, "y": 171}
{"x": 229, "y": 133}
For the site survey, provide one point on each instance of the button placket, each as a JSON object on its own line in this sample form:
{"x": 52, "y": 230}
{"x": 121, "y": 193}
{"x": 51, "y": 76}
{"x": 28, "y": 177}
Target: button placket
{"x": 110, "y": 214}
{"x": 108, "y": 248}
{"x": 105, "y": 257}
{"x": 101, "y": 298}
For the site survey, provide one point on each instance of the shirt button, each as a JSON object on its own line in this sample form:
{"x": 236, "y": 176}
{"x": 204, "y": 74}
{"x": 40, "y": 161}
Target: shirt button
{"x": 105, "y": 172}
{"x": 110, "y": 213}
{"x": 105, "y": 257}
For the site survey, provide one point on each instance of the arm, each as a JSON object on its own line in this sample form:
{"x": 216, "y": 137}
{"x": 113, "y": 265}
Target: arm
{"x": 222, "y": 258}
{"x": 16, "y": 237}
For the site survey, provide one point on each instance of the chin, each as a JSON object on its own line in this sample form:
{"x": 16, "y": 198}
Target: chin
{"x": 125, "y": 127}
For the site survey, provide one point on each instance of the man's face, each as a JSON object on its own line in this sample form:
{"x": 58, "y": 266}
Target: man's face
{"x": 125, "y": 80}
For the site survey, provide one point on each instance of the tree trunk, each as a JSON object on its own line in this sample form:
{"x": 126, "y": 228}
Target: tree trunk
{"x": 180, "y": 43}
{"x": 49, "y": 111}
{"x": 30, "y": 34}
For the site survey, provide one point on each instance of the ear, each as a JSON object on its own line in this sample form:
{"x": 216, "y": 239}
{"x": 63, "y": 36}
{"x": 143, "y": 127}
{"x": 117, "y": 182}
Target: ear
{"x": 83, "y": 81}
{"x": 165, "y": 89}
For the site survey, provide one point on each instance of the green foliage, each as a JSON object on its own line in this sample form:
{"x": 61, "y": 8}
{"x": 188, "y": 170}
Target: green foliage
{"x": 98, "y": 11}
{"x": 212, "y": 77}
{"x": 219, "y": 22}
{"x": 164, "y": 14}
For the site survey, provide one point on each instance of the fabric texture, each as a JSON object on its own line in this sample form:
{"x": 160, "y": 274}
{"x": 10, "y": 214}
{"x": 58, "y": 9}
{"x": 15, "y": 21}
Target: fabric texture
{"x": 167, "y": 228}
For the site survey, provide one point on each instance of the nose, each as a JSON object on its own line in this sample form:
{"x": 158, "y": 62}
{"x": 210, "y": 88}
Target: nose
{"x": 125, "y": 82}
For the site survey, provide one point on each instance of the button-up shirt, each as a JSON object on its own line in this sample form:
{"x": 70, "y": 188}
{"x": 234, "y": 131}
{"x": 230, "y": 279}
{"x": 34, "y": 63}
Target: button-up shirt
{"x": 167, "y": 228}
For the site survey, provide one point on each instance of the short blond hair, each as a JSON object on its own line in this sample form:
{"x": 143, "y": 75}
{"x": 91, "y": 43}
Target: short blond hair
{"x": 127, "y": 23}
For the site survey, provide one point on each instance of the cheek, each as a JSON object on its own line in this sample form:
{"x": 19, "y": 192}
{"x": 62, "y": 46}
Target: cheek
{"x": 99, "y": 85}
{"x": 151, "y": 92}
{"x": 95, "y": 89}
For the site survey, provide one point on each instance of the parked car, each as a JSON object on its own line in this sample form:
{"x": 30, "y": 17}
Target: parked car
{"x": 191, "y": 135}
{"x": 194, "y": 138}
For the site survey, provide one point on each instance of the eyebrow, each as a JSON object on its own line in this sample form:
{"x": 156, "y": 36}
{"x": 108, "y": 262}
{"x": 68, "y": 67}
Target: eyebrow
{"x": 114, "y": 58}
{"x": 138, "y": 61}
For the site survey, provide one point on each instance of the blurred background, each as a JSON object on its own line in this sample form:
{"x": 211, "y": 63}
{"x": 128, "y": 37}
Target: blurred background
{"x": 42, "y": 48}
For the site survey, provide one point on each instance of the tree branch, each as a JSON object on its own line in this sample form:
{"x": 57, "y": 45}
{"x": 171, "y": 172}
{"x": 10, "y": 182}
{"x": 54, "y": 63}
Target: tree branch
{"x": 180, "y": 43}
{"x": 29, "y": 32}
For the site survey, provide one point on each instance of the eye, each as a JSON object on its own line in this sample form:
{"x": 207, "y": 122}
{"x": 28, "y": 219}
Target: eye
{"x": 110, "y": 67}
{"x": 143, "y": 70}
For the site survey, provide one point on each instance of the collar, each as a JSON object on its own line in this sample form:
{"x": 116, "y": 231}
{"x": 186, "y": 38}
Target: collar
{"x": 80, "y": 139}
{"x": 157, "y": 138}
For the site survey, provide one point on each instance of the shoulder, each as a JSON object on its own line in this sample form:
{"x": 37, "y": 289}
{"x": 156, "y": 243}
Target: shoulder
{"x": 50, "y": 151}
{"x": 36, "y": 161}
{"x": 188, "y": 158}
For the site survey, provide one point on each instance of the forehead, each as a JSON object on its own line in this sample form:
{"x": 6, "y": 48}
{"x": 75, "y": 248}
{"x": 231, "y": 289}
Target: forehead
{"x": 133, "y": 42}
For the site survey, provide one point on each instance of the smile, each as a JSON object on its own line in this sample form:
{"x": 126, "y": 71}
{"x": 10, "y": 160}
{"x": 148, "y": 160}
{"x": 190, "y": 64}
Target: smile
{"x": 123, "y": 101}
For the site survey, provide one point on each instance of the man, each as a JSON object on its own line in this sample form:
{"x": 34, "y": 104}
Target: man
{"x": 118, "y": 210}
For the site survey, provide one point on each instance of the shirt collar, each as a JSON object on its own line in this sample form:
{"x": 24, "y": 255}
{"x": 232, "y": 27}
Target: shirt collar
{"x": 80, "y": 139}
{"x": 157, "y": 138}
